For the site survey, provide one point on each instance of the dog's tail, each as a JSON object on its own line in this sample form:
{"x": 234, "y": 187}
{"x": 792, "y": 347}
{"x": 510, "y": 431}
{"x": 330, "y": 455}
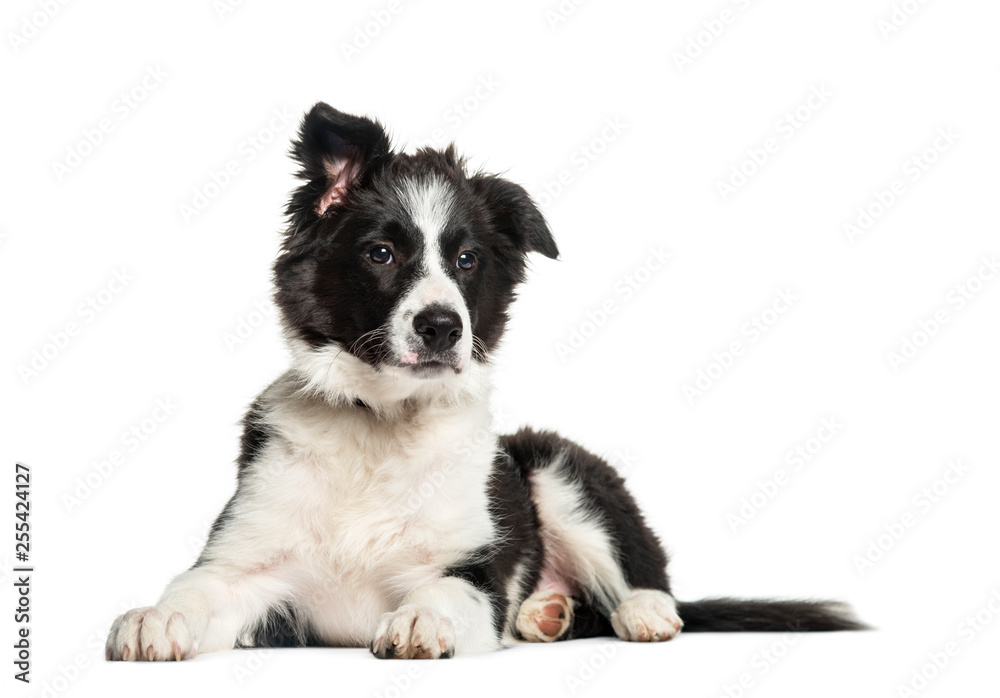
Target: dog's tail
{"x": 758, "y": 615}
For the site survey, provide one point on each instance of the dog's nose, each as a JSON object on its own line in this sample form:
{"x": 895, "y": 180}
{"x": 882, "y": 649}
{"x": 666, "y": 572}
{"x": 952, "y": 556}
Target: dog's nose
{"x": 439, "y": 327}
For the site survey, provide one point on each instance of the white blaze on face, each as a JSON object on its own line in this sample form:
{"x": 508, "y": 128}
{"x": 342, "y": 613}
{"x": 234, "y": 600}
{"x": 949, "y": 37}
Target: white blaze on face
{"x": 429, "y": 202}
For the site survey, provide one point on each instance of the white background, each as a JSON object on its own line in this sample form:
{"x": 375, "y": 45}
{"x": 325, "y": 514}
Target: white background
{"x": 546, "y": 90}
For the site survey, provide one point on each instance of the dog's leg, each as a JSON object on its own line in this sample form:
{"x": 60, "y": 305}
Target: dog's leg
{"x": 474, "y": 606}
{"x": 212, "y": 606}
{"x": 598, "y": 550}
{"x": 204, "y": 609}
{"x": 240, "y": 577}
{"x": 436, "y": 620}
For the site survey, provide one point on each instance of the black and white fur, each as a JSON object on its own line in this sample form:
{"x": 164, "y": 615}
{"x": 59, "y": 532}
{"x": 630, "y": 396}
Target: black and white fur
{"x": 375, "y": 506}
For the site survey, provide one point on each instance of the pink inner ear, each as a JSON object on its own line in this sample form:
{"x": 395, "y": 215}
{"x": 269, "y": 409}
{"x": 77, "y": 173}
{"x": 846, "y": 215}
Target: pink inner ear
{"x": 340, "y": 172}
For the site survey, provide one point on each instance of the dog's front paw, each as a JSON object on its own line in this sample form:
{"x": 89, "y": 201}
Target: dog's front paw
{"x": 153, "y": 633}
{"x": 647, "y": 616}
{"x": 413, "y": 632}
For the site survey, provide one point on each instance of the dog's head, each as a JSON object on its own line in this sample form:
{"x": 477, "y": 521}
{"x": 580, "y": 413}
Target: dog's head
{"x": 397, "y": 269}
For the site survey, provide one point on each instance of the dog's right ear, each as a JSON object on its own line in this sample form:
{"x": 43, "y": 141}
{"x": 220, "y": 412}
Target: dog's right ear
{"x": 334, "y": 149}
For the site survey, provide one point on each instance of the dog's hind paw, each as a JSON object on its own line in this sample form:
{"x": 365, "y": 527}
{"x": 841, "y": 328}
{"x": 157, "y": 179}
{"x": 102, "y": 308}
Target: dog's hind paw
{"x": 647, "y": 615}
{"x": 545, "y": 616}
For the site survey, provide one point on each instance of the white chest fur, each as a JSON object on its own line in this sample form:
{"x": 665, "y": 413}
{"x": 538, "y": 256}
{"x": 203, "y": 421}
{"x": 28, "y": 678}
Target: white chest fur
{"x": 353, "y": 511}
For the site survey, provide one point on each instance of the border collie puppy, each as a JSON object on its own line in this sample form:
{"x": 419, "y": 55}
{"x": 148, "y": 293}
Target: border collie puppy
{"x": 374, "y": 505}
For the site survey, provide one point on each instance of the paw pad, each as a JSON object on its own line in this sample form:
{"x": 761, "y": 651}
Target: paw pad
{"x": 545, "y": 616}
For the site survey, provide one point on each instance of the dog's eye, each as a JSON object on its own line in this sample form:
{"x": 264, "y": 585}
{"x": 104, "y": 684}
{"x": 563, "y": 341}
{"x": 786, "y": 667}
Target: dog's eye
{"x": 380, "y": 254}
{"x": 466, "y": 261}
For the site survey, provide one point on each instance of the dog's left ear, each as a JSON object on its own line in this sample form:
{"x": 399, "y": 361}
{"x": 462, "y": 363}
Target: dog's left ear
{"x": 515, "y": 214}
{"x": 334, "y": 149}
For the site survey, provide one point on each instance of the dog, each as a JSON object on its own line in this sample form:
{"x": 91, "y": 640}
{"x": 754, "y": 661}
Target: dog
{"x": 375, "y": 506}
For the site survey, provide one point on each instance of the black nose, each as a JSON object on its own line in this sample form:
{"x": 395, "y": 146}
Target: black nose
{"x": 439, "y": 327}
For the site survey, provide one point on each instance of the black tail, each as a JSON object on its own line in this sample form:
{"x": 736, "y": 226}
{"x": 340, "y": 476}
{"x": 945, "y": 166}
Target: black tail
{"x": 750, "y": 615}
